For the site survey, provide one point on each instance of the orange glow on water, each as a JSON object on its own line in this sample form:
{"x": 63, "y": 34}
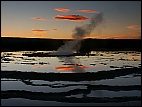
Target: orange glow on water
{"x": 64, "y": 68}
{"x": 70, "y": 68}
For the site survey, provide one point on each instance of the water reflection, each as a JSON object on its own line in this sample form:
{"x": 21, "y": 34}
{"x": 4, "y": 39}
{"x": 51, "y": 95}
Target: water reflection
{"x": 74, "y": 63}
{"x": 101, "y": 78}
{"x": 42, "y": 61}
{"x": 74, "y": 68}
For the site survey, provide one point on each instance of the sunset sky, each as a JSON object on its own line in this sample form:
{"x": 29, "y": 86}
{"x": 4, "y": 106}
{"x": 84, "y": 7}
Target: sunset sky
{"x": 58, "y": 19}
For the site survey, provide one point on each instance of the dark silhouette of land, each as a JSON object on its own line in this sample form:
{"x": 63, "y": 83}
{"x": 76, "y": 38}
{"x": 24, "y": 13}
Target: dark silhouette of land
{"x": 35, "y": 44}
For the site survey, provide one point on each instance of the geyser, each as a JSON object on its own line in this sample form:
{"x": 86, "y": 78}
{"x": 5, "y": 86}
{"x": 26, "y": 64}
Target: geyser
{"x": 74, "y": 45}
{"x": 78, "y": 34}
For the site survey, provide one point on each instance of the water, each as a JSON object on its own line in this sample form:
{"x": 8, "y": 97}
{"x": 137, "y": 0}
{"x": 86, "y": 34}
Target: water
{"x": 100, "y": 61}
{"x": 121, "y": 90}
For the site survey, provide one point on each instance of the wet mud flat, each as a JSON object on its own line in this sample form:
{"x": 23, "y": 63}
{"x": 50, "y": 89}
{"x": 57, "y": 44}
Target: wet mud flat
{"x": 34, "y": 88}
{"x": 38, "y": 79}
{"x": 52, "y": 54}
{"x": 41, "y": 54}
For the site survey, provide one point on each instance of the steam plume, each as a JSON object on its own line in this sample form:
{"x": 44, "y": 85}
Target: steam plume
{"x": 78, "y": 35}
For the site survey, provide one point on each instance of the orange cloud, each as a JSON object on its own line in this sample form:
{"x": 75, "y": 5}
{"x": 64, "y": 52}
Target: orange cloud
{"x": 134, "y": 27}
{"x": 54, "y": 29}
{"x": 38, "y": 30}
{"x": 87, "y": 11}
{"x": 62, "y": 9}
{"x": 71, "y": 17}
{"x": 134, "y": 31}
{"x": 39, "y": 19}
{"x": 127, "y": 35}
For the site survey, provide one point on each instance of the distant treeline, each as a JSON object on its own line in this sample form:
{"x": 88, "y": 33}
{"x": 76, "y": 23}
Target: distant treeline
{"x": 34, "y": 44}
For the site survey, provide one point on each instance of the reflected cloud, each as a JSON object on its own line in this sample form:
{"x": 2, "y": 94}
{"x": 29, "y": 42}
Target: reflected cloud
{"x": 39, "y": 66}
{"x": 71, "y": 65}
{"x": 76, "y": 68}
{"x": 65, "y": 68}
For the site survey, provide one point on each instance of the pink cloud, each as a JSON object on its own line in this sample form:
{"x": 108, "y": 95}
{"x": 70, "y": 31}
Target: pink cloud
{"x": 54, "y": 29}
{"x": 87, "y": 11}
{"x": 134, "y": 27}
{"x": 62, "y": 9}
{"x": 39, "y": 19}
{"x": 71, "y": 17}
{"x": 39, "y": 30}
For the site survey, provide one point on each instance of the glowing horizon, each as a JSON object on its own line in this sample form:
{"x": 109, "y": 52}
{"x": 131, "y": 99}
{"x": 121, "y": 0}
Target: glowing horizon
{"x": 57, "y": 20}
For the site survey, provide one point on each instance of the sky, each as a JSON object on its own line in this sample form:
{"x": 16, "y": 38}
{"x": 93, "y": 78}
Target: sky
{"x": 58, "y": 19}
